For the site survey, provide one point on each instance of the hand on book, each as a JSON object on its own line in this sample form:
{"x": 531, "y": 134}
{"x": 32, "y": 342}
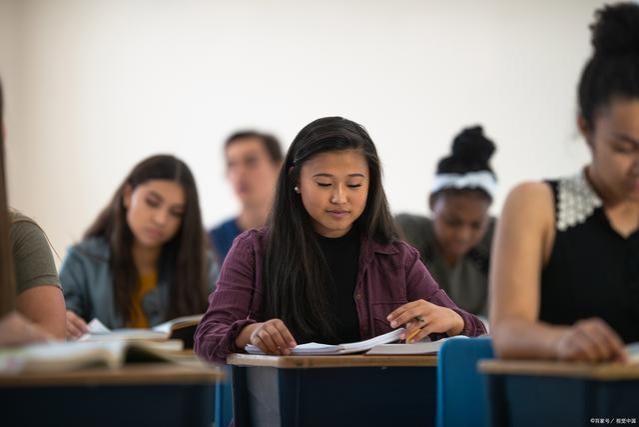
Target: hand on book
{"x": 422, "y": 318}
{"x": 15, "y": 329}
{"x": 590, "y": 340}
{"x": 76, "y": 326}
{"x": 272, "y": 337}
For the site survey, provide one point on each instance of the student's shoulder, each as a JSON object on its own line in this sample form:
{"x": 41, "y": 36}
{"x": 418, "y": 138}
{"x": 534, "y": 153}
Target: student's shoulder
{"x": 531, "y": 203}
{"x": 22, "y": 224}
{"x": 418, "y": 230}
{"x": 413, "y": 222}
{"x": 252, "y": 240}
{"x": 530, "y": 193}
{"x": 224, "y": 227}
{"x": 25, "y": 233}
{"x": 91, "y": 249}
{"x": 398, "y": 249}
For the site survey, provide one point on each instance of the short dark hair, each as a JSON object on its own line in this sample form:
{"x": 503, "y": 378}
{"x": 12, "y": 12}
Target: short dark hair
{"x": 613, "y": 69}
{"x": 270, "y": 142}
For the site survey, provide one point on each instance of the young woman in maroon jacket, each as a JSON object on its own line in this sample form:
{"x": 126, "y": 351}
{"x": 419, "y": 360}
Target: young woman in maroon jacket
{"x": 329, "y": 266}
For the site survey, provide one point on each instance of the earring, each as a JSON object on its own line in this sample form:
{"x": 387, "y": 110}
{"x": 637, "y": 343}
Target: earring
{"x": 297, "y": 189}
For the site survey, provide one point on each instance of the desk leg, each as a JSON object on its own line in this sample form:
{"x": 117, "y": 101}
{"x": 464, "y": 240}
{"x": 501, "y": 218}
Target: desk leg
{"x": 241, "y": 413}
{"x": 496, "y": 396}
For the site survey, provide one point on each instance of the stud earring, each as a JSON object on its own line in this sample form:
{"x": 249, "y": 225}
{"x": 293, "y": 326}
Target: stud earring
{"x": 297, "y": 189}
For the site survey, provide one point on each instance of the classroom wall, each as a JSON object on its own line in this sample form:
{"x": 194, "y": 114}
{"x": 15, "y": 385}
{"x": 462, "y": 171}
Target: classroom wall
{"x": 94, "y": 86}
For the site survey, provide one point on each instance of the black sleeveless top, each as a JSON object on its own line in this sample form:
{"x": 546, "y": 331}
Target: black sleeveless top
{"x": 592, "y": 271}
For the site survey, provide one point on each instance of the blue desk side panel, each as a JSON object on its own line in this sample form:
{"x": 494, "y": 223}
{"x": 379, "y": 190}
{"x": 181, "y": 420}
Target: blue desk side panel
{"x": 524, "y": 401}
{"x": 114, "y": 406}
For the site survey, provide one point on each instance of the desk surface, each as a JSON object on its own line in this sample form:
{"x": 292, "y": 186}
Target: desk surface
{"x": 133, "y": 374}
{"x": 329, "y": 361}
{"x": 602, "y": 371}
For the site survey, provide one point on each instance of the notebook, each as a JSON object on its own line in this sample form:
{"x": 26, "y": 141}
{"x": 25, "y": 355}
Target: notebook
{"x": 421, "y": 347}
{"x": 182, "y": 328}
{"x": 318, "y": 349}
{"x": 67, "y": 356}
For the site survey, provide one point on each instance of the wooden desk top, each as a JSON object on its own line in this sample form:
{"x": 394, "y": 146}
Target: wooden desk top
{"x": 132, "y": 374}
{"x": 346, "y": 361}
{"x": 602, "y": 371}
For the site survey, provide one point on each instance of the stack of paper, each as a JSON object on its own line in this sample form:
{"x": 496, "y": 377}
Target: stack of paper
{"x": 317, "y": 349}
{"x": 422, "y": 347}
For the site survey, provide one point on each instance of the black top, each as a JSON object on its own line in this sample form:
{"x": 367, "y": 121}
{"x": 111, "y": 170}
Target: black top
{"x": 342, "y": 256}
{"x": 593, "y": 271}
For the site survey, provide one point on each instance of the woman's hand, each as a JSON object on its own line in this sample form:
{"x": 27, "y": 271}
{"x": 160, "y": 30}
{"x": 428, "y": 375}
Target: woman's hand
{"x": 76, "y": 326}
{"x": 272, "y": 337}
{"x": 15, "y": 329}
{"x": 590, "y": 340}
{"x": 422, "y": 318}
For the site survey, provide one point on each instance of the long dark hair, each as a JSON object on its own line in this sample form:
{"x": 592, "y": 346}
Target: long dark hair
{"x": 7, "y": 277}
{"x": 183, "y": 257}
{"x": 613, "y": 69}
{"x": 295, "y": 270}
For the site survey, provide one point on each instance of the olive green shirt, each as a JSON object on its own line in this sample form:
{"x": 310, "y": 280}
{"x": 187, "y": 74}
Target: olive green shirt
{"x": 33, "y": 261}
{"x": 467, "y": 281}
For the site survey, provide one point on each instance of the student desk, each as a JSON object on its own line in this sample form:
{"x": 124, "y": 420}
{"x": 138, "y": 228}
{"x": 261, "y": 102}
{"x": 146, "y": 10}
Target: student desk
{"x": 334, "y": 390}
{"x": 531, "y": 393}
{"x": 160, "y": 394}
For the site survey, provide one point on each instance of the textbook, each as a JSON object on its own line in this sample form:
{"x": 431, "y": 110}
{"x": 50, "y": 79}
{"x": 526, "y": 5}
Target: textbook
{"x": 317, "y": 349}
{"x": 182, "y": 328}
{"x": 421, "y": 347}
{"x": 67, "y": 356}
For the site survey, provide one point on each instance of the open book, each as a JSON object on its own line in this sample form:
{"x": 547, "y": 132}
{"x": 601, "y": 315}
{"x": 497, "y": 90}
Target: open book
{"x": 421, "y": 347}
{"x": 182, "y": 328}
{"x": 66, "y": 356}
{"x": 317, "y": 349}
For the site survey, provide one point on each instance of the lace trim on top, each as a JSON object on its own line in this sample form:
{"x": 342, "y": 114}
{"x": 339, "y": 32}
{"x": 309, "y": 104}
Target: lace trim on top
{"x": 576, "y": 201}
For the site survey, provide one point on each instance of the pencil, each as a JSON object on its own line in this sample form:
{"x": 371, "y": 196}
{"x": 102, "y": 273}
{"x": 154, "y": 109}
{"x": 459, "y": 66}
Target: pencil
{"x": 416, "y": 331}
{"x": 412, "y": 334}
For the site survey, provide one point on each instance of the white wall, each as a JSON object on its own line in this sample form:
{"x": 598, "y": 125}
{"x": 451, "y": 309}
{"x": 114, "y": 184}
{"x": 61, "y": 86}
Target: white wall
{"x": 94, "y": 86}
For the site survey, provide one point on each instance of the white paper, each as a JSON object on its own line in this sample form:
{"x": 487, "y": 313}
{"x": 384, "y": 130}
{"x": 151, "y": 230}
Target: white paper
{"x": 318, "y": 349}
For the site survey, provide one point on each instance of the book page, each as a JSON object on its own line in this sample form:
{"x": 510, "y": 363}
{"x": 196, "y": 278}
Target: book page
{"x": 318, "y": 349}
{"x": 356, "y": 347}
{"x": 167, "y": 326}
{"x": 422, "y": 347}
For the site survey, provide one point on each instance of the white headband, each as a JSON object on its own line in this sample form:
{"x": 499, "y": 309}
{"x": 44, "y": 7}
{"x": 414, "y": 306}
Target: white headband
{"x": 483, "y": 180}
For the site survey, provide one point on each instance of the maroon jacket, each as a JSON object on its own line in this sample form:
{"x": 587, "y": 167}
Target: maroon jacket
{"x": 389, "y": 276}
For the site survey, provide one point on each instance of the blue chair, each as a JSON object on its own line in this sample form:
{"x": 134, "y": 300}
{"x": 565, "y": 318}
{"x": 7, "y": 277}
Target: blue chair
{"x": 224, "y": 400}
{"x": 461, "y": 389}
